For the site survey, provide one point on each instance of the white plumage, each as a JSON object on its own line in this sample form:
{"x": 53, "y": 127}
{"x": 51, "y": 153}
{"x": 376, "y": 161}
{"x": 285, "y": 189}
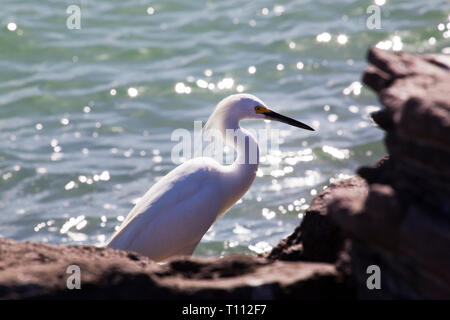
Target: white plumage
{"x": 175, "y": 213}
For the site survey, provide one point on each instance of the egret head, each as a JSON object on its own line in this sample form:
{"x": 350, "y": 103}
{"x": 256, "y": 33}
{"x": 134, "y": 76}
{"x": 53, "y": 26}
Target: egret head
{"x": 243, "y": 106}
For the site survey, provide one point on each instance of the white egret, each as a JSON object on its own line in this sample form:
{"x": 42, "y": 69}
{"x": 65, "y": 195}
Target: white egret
{"x": 175, "y": 213}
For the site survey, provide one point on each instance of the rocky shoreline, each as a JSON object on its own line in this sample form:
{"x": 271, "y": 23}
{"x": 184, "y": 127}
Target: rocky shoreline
{"x": 394, "y": 215}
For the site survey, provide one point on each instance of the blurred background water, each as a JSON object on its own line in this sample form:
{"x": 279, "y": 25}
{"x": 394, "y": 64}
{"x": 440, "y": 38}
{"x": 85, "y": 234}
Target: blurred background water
{"x": 86, "y": 116}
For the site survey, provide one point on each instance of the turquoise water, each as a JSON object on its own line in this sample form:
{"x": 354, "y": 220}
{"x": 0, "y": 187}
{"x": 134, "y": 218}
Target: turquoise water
{"x": 78, "y": 148}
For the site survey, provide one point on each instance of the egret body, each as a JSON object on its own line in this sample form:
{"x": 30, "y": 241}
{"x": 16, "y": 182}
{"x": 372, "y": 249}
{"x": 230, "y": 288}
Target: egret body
{"x": 175, "y": 213}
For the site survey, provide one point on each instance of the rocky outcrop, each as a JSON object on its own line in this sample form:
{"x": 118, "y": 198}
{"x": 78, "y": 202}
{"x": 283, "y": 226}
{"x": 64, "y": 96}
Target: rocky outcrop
{"x": 394, "y": 216}
{"x": 402, "y": 224}
{"x": 39, "y": 271}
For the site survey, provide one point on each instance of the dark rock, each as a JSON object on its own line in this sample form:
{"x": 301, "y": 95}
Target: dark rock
{"x": 38, "y": 271}
{"x": 318, "y": 238}
{"x": 402, "y": 224}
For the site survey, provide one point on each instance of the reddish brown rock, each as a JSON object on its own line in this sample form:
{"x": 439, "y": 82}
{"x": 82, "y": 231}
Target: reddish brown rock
{"x": 400, "y": 219}
{"x": 33, "y": 270}
{"x": 318, "y": 238}
{"x": 403, "y": 224}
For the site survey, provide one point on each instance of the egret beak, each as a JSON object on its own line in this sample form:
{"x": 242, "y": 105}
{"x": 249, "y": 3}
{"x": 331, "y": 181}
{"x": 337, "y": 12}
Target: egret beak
{"x": 272, "y": 115}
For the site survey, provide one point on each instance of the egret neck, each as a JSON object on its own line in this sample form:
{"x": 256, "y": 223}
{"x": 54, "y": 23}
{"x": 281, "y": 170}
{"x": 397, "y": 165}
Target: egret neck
{"x": 240, "y": 175}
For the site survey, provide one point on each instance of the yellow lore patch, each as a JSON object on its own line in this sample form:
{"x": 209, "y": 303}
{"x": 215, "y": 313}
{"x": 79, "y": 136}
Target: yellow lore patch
{"x": 259, "y": 109}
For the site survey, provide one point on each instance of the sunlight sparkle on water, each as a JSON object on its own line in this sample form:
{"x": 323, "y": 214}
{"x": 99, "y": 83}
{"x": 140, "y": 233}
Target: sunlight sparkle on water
{"x": 181, "y": 88}
{"x": 353, "y": 109}
{"x": 226, "y": 83}
{"x": 311, "y": 178}
{"x": 395, "y": 44}
{"x": 72, "y": 222}
{"x": 268, "y": 214}
{"x": 230, "y": 244}
{"x": 202, "y": 84}
{"x": 132, "y": 92}
{"x": 70, "y": 185}
{"x": 323, "y": 37}
{"x": 340, "y": 176}
{"x": 355, "y": 88}
{"x": 333, "y": 117}
{"x": 12, "y": 26}
{"x": 104, "y": 176}
{"x": 278, "y": 10}
{"x": 238, "y": 229}
{"x": 342, "y": 39}
{"x": 336, "y": 153}
{"x": 260, "y": 247}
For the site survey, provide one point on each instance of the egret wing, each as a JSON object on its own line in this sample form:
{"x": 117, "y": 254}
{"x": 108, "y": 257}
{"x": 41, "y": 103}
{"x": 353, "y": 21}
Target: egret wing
{"x": 174, "y": 213}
